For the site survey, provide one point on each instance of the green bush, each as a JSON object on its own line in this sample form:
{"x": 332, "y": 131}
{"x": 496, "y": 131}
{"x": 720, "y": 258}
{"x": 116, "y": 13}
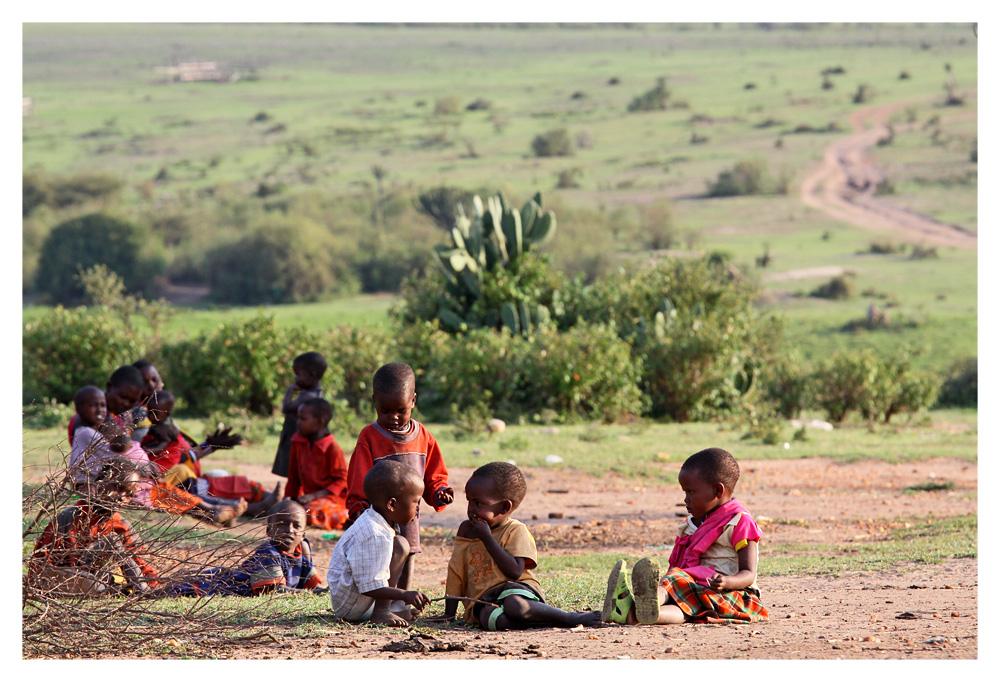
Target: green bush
{"x": 585, "y": 373}
{"x": 241, "y": 364}
{"x": 838, "y": 289}
{"x": 47, "y": 413}
{"x": 787, "y": 384}
{"x": 82, "y": 243}
{"x": 654, "y": 99}
{"x": 748, "y": 177}
{"x": 961, "y": 385}
{"x": 353, "y": 355}
{"x": 440, "y": 204}
{"x": 694, "y": 327}
{"x": 282, "y": 261}
{"x": 552, "y": 143}
{"x": 71, "y": 348}
{"x": 878, "y": 388}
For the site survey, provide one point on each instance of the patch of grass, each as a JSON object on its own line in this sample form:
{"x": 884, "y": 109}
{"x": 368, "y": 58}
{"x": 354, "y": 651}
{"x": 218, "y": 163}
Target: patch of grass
{"x": 929, "y": 486}
{"x": 927, "y": 541}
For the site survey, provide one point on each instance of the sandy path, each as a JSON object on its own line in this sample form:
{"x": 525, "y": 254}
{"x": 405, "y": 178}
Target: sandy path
{"x": 843, "y": 185}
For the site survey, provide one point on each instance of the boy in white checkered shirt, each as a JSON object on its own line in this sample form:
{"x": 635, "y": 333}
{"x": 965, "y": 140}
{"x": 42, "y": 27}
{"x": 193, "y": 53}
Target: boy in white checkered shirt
{"x": 370, "y": 556}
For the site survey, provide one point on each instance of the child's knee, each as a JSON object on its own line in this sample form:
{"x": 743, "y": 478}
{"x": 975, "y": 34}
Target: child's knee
{"x": 516, "y": 607}
{"x": 400, "y": 546}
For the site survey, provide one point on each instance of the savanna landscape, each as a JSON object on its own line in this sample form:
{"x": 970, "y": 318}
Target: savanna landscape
{"x": 760, "y": 237}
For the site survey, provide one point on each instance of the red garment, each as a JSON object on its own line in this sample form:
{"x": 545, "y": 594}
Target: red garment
{"x": 170, "y": 455}
{"x": 63, "y": 541}
{"x": 688, "y": 549}
{"x": 417, "y": 448}
{"x": 316, "y": 466}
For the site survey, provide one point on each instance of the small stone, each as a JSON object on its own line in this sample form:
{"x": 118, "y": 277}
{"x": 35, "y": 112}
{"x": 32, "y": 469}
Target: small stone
{"x": 956, "y": 614}
{"x": 555, "y": 515}
{"x": 670, "y": 650}
{"x": 477, "y": 451}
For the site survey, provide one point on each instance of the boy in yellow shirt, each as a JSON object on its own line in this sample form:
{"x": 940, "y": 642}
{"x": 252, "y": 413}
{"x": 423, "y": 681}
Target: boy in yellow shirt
{"x": 494, "y": 556}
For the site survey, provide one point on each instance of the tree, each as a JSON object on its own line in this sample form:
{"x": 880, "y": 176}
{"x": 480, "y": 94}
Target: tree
{"x": 96, "y": 239}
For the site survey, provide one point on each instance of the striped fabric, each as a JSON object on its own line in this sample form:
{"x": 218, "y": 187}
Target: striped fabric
{"x": 703, "y": 604}
{"x": 328, "y": 513}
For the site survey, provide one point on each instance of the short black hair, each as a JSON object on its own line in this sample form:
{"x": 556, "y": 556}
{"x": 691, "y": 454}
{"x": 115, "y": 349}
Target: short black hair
{"x": 126, "y": 375}
{"x": 389, "y": 478}
{"x": 508, "y": 481}
{"x": 118, "y": 439}
{"x": 393, "y": 379}
{"x": 714, "y": 465}
{"x": 85, "y": 393}
{"x": 312, "y": 361}
{"x": 116, "y": 469}
{"x": 286, "y": 506}
{"x": 320, "y": 407}
{"x": 142, "y": 364}
{"x": 162, "y": 396}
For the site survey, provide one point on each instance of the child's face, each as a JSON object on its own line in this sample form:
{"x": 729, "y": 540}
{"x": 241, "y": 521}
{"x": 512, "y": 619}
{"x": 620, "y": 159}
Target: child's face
{"x": 304, "y": 377}
{"x": 393, "y": 411}
{"x": 310, "y": 422}
{"x": 121, "y": 399}
{"x": 151, "y": 382}
{"x": 402, "y": 508}
{"x": 286, "y": 529}
{"x": 160, "y": 412}
{"x": 119, "y": 490}
{"x": 93, "y": 409}
{"x": 485, "y": 503}
{"x": 700, "y": 496}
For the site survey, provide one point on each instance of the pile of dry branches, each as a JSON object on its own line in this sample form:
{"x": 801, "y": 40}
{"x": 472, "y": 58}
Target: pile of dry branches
{"x": 56, "y": 623}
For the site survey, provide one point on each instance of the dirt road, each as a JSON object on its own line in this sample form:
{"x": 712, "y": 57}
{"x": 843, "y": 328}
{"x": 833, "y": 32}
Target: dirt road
{"x": 843, "y": 186}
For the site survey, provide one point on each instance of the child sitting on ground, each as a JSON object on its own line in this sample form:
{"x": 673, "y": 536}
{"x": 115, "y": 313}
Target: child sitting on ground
{"x": 369, "y": 558}
{"x": 90, "y": 549}
{"x": 154, "y": 492}
{"x": 122, "y": 393}
{"x": 394, "y": 435}
{"x": 151, "y": 383}
{"x": 283, "y": 563}
{"x": 494, "y": 556}
{"x": 309, "y": 369}
{"x": 180, "y": 462}
{"x": 712, "y": 575}
{"x": 317, "y": 469}
{"x": 88, "y": 446}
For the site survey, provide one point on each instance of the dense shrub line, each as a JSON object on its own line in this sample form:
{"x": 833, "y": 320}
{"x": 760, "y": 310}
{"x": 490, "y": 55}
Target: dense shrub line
{"x": 679, "y": 341}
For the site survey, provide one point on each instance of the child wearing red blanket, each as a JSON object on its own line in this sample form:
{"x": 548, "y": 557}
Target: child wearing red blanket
{"x": 317, "y": 468}
{"x": 712, "y": 575}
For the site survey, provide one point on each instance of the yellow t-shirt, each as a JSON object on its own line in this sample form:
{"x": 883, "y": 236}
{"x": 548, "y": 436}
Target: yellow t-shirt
{"x": 472, "y": 571}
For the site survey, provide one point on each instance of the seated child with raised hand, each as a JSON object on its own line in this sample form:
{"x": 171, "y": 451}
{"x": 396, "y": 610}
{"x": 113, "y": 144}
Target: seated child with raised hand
{"x": 368, "y": 559}
{"x": 90, "y": 549}
{"x": 712, "y": 575}
{"x": 180, "y": 462}
{"x": 282, "y": 563}
{"x": 317, "y": 469}
{"x": 308, "y": 369}
{"x": 152, "y": 491}
{"x": 394, "y": 435}
{"x": 494, "y": 556}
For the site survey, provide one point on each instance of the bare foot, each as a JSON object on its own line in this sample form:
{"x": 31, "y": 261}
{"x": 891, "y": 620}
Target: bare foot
{"x": 228, "y": 513}
{"x": 403, "y": 610}
{"x": 589, "y": 619}
{"x": 389, "y": 618}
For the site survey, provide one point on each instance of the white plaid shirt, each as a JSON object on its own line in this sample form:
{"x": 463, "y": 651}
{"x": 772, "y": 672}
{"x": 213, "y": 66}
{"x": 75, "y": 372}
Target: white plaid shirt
{"x": 360, "y": 561}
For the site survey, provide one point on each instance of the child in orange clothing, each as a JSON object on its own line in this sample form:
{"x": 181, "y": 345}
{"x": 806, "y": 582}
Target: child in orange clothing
{"x": 317, "y": 468}
{"x": 395, "y": 436}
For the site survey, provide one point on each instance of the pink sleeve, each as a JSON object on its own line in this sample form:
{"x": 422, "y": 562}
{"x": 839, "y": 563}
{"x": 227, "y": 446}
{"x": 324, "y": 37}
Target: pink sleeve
{"x": 744, "y": 531}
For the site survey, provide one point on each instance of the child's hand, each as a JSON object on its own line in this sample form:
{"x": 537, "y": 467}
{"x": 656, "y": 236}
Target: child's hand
{"x": 416, "y": 598}
{"x": 717, "y": 582}
{"x": 480, "y": 529}
{"x": 306, "y": 498}
{"x": 444, "y": 496}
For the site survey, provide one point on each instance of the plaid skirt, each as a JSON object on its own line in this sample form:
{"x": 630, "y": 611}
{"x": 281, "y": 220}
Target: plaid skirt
{"x": 703, "y": 604}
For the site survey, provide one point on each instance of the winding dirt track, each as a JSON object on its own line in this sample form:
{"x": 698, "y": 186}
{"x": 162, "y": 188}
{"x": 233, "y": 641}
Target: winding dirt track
{"x": 843, "y": 185}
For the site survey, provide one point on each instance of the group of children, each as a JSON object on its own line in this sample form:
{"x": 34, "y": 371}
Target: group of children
{"x": 376, "y": 498}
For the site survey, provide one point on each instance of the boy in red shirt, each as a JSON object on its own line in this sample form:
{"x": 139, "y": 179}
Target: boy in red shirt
{"x": 395, "y": 436}
{"x": 317, "y": 468}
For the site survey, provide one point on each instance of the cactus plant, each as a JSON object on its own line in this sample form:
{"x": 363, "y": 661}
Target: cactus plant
{"x": 496, "y": 236}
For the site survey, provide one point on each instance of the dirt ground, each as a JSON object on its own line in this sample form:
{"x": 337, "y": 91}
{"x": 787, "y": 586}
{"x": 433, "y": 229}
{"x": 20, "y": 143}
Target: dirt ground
{"x": 916, "y": 611}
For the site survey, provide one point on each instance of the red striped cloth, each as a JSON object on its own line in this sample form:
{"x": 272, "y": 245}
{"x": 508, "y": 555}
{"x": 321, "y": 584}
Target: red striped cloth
{"x": 705, "y": 605}
{"x": 327, "y": 512}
